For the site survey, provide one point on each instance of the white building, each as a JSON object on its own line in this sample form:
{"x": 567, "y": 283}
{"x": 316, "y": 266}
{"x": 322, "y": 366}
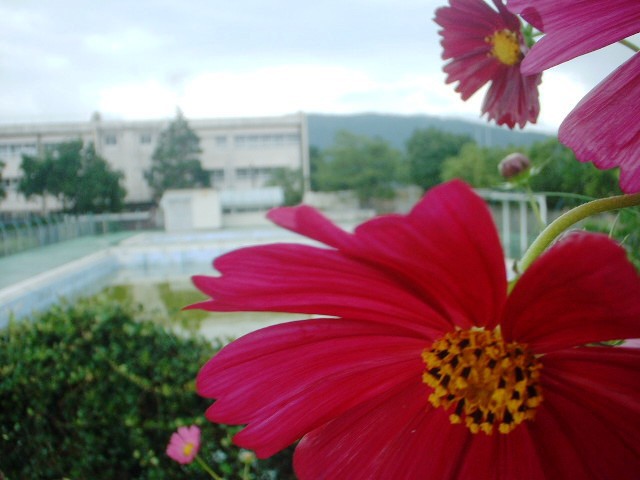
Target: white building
{"x": 239, "y": 153}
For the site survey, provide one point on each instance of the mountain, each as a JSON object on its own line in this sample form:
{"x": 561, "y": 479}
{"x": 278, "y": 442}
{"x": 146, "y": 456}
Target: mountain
{"x": 396, "y": 129}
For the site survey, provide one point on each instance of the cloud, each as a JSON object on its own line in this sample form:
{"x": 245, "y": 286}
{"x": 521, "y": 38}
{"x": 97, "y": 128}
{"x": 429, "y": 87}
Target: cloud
{"x": 128, "y": 41}
{"x": 559, "y": 93}
{"x": 136, "y": 60}
{"x": 138, "y": 101}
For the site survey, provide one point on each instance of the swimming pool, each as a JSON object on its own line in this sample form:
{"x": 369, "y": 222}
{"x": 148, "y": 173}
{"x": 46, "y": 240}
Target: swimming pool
{"x": 145, "y": 257}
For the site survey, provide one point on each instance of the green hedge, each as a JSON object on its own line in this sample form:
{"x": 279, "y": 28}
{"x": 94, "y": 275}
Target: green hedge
{"x": 88, "y": 392}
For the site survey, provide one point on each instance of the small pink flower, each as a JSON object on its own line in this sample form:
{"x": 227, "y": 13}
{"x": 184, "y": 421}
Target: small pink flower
{"x": 184, "y": 444}
{"x": 487, "y": 46}
{"x": 603, "y": 127}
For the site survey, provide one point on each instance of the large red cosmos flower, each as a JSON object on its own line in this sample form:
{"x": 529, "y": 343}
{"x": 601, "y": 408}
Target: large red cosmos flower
{"x": 486, "y": 45}
{"x": 425, "y": 367}
{"x": 603, "y": 127}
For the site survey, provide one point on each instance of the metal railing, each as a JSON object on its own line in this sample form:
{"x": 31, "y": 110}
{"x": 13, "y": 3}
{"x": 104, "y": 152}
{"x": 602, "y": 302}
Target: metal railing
{"x": 520, "y": 217}
{"x": 17, "y": 235}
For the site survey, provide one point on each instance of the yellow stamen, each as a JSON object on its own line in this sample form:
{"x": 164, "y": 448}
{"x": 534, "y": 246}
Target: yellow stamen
{"x": 483, "y": 380}
{"x": 187, "y": 449}
{"x": 505, "y": 47}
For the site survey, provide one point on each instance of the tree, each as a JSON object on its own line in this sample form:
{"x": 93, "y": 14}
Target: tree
{"x": 98, "y": 188}
{"x": 316, "y": 159}
{"x": 35, "y": 178}
{"x": 3, "y": 192}
{"x": 64, "y": 165}
{"x": 291, "y": 182}
{"x": 76, "y": 175}
{"x": 427, "y": 150}
{"x": 175, "y": 162}
{"x": 368, "y": 166}
{"x": 561, "y": 172}
{"x": 475, "y": 165}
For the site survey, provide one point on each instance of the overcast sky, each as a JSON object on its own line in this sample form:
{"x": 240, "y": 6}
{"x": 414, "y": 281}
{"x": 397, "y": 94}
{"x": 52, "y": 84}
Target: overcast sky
{"x": 61, "y": 60}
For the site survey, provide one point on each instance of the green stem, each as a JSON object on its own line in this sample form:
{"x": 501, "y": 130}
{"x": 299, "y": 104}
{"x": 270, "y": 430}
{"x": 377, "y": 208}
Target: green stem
{"x": 207, "y": 468}
{"x": 563, "y": 222}
{"x": 629, "y": 44}
{"x": 535, "y": 207}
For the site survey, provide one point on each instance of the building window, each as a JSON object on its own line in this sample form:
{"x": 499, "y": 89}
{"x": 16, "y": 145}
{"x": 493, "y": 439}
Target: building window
{"x": 145, "y": 138}
{"x": 262, "y": 173}
{"x": 243, "y": 173}
{"x": 266, "y": 140}
{"x": 110, "y": 139}
{"x": 221, "y": 141}
{"x": 216, "y": 176}
{"x": 17, "y": 149}
{"x": 254, "y": 173}
{"x": 11, "y": 184}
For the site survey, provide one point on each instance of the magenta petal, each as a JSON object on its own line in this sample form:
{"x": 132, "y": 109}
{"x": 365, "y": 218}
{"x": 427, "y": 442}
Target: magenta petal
{"x": 604, "y": 129}
{"x": 512, "y": 99}
{"x": 508, "y": 457}
{"x": 573, "y": 28}
{"x": 434, "y": 249}
{"x": 395, "y": 436}
{"x": 410, "y": 270}
{"x": 309, "y": 222}
{"x": 286, "y": 380}
{"x": 556, "y": 446}
{"x": 593, "y": 396}
{"x": 581, "y": 290}
{"x": 305, "y": 279}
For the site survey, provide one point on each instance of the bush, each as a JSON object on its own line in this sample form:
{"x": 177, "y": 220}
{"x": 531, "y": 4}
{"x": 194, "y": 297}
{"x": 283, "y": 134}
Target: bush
{"x": 87, "y": 392}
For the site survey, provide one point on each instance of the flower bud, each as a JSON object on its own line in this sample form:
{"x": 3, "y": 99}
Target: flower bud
{"x": 514, "y": 164}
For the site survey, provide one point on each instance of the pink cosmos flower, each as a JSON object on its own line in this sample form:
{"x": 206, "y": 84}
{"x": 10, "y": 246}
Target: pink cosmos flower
{"x": 423, "y": 366}
{"x": 603, "y": 127}
{"x": 486, "y": 45}
{"x": 184, "y": 444}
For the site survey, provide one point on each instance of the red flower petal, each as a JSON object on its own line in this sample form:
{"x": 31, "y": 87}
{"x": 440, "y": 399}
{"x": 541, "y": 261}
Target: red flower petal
{"x": 449, "y": 234}
{"x": 289, "y": 379}
{"x": 309, "y": 222}
{"x": 556, "y": 446}
{"x": 507, "y": 457}
{"x": 593, "y": 396}
{"x": 471, "y": 74}
{"x": 304, "y": 279}
{"x": 512, "y": 99}
{"x": 411, "y": 269}
{"x": 395, "y": 436}
{"x": 607, "y": 379}
{"x": 603, "y": 128}
{"x": 581, "y": 290}
{"x": 573, "y": 28}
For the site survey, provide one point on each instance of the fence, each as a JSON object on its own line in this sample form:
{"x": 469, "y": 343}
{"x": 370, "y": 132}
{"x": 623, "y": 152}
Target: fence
{"x": 21, "y": 234}
{"x": 519, "y": 217}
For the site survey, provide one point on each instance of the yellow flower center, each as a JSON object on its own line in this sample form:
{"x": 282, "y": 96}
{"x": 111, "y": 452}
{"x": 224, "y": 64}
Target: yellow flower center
{"x": 482, "y": 381}
{"x": 505, "y": 47}
{"x": 188, "y": 448}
